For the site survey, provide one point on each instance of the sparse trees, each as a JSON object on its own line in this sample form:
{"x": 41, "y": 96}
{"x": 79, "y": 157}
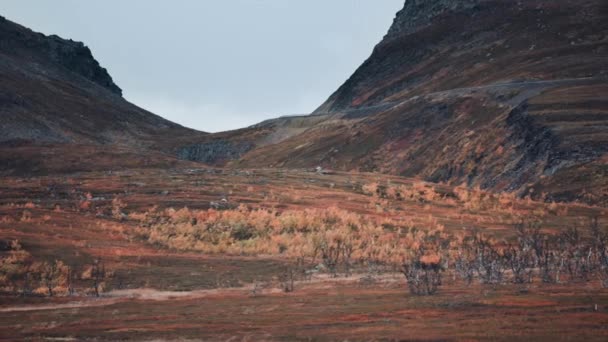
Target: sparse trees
{"x": 531, "y": 241}
{"x": 16, "y": 270}
{"x": 97, "y": 274}
{"x": 481, "y": 257}
{"x": 70, "y": 278}
{"x": 21, "y": 274}
{"x": 520, "y": 263}
{"x": 600, "y": 250}
{"x": 423, "y": 277}
{"x": 53, "y": 274}
{"x": 523, "y": 255}
{"x": 464, "y": 263}
{"x": 488, "y": 260}
{"x": 549, "y": 263}
{"x": 425, "y": 261}
{"x": 575, "y": 255}
{"x": 342, "y": 240}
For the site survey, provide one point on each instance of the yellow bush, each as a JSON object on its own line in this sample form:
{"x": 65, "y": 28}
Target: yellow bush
{"x": 303, "y": 234}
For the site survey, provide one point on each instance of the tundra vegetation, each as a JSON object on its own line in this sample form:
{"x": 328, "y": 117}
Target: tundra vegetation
{"x": 340, "y": 242}
{"x": 22, "y": 275}
{"x": 350, "y": 246}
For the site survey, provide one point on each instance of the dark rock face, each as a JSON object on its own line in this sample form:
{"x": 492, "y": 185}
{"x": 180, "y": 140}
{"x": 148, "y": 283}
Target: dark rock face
{"x": 437, "y": 45}
{"x": 77, "y": 57}
{"x": 58, "y": 105}
{"x": 72, "y": 55}
{"x": 418, "y": 13}
{"x": 214, "y": 151}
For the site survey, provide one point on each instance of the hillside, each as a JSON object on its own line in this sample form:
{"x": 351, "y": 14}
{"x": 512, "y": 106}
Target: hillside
{"x": 507, "y": 96}
{"x": 116, "y": 224}
{"x": 56, "y": 99}
{"x": 498, "y": 94}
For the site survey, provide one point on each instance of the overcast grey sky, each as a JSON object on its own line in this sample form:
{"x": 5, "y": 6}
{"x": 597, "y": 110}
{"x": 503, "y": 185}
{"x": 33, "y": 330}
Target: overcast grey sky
{"x": 216, "y": 65}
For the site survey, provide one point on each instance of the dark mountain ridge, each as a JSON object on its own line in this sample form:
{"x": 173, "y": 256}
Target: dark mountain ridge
{"x": 74, "y": 56}
{"x": 440, "y": 45}
{"x": 505, "y": 95}
{"x": 55, "y": 95}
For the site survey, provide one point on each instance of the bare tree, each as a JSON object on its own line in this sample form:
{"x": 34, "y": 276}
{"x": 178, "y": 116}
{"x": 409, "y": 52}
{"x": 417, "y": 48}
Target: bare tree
{"x": 423, "y": 278}
{"x": 331, "y": 256}
{"x": 347, "y": 252}
{"x": 575, "y": 255}
{"x": 98, "y": 275}
{"x": 70, "y": 277}
{"x": 465, "y": 261}
{"x": 17, "y": 270}
{"x": 287, "y": 280}
{"x": 550, "y": 262}
{"x": 53, "y": 274}
{"x": 488, "y": 260}
{"x": 425, "y": 265}
{"x": 600, "y": 250}
{"x": 520, "y": 263}
{"x": 531, "y": 241}
{"x": 525, "y": 254}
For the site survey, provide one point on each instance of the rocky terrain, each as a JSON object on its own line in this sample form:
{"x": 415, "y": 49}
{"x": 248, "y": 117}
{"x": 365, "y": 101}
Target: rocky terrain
{"x": 54, "y": 95}
{"x": 441, "y": 45}
{"x": 503, "y": 95}
{"x": 454, "y": 187}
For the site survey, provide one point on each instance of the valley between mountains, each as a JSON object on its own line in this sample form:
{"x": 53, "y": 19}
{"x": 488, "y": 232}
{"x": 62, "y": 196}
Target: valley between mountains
{"x": 455, "y": 187}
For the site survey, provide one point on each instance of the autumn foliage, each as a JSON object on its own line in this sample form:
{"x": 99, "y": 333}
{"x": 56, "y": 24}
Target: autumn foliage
{"x": 21, "y": 274}
{"x": 338, "y": 241}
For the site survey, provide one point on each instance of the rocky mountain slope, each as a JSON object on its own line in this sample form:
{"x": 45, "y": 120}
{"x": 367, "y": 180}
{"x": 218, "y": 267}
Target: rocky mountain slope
{"x": 505, "y": 95}
{"x": 55, "y": 95}
{"x": 440, "y": 45}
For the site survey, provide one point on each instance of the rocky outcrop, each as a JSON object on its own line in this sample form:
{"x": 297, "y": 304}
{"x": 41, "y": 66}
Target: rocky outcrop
{"x": 214, "y": 151}
{"x": 420, "y": 13}
{"x": 438, "y": 45}
{"x": 72, "y": 55}
{"x": 77, "y": 57}
{"x": 60, "y": 111}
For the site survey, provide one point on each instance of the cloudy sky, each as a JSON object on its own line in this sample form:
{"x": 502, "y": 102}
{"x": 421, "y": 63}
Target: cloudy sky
{"x": 217, "y": 65}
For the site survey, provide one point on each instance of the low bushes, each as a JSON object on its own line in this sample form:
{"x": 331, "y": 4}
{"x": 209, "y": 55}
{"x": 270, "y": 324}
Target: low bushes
{"x": 21, "y": 274}
{"x": 339, "y": 240}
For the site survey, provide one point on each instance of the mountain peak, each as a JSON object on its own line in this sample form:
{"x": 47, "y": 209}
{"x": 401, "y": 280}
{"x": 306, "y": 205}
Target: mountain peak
{"x": 69, "y": 54}
{"x": 419, "y": 13}
{"x": 53, "y": 91}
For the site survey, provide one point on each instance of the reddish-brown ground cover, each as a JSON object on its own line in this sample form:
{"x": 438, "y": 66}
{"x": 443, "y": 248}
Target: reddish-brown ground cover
{"x": 70, "y": 218}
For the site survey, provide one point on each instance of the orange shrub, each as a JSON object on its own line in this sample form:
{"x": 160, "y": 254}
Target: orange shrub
{"x": 331, "y": 235}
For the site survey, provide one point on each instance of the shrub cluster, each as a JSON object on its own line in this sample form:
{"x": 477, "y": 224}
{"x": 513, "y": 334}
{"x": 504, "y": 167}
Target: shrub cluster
{"x": 21, "y": 275}
{"x": 566, "y": 257}
{"x": 338, "y": 240}
{"x": 333, "y": 236}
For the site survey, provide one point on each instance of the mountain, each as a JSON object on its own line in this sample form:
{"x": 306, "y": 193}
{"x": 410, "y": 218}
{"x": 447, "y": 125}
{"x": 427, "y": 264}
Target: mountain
{"x": 440, "y": 45}
{"x": 505, "y": 95}
{"x": 55, "y": 99}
